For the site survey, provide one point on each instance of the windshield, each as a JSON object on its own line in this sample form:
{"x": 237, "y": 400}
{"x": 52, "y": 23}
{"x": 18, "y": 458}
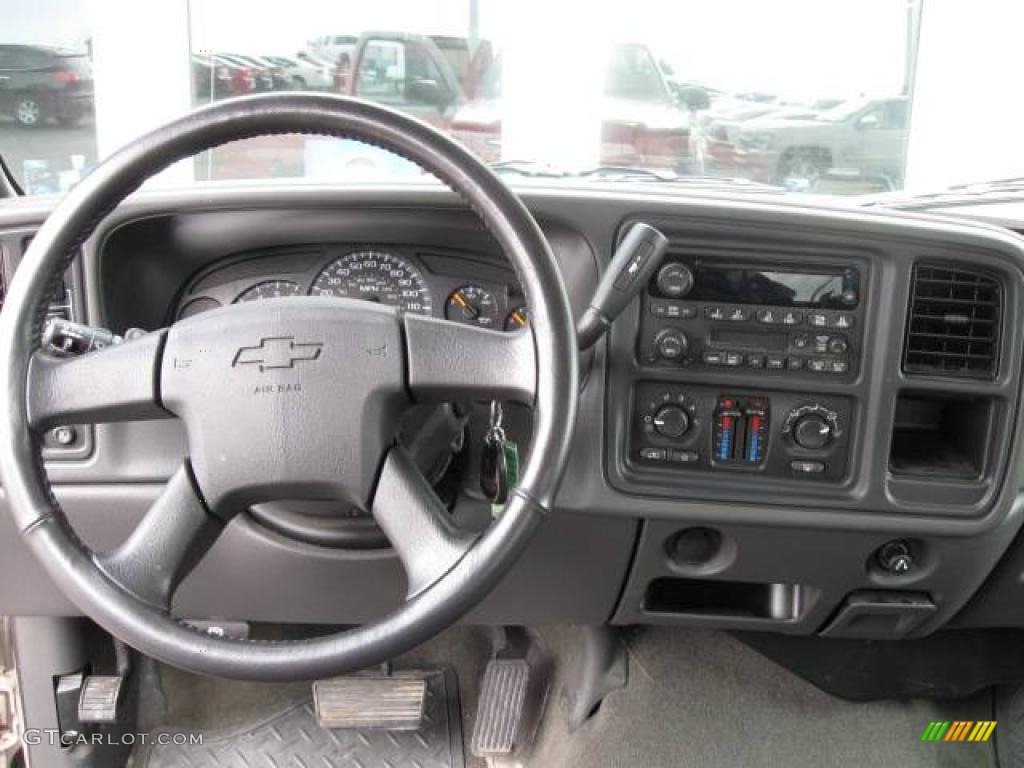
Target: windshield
{"x": 803, "y": 95}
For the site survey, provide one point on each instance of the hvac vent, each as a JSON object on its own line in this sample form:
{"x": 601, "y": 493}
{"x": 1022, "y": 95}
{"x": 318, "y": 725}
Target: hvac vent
{"x": 954, "y": 323}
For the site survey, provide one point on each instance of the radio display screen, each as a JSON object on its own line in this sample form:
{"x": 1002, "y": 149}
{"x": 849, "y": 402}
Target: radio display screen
{"x": 744, "y": 285}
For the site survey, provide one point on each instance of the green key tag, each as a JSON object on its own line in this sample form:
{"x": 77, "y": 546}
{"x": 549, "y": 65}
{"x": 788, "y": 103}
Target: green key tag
{"x": 510, "y": 467}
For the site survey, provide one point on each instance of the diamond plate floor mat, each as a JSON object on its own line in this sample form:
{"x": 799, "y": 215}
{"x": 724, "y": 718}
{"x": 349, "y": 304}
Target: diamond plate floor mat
{"x": 291, "y": 737}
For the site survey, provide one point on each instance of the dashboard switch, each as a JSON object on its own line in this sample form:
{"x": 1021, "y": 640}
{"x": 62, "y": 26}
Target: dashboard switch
{"x": 671, "y": 421}
{"x": 727, "y": 419}
{"x": 807, "y": 467}
{"x": 896, "y": 558}
{"x": 757, "y": 428}
{"x": 812, "y": 432}
{"x": 653, "y": 454}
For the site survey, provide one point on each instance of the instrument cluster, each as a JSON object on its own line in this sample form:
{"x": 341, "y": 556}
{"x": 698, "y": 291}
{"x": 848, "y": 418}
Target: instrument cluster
{"x": 460, "y": 287}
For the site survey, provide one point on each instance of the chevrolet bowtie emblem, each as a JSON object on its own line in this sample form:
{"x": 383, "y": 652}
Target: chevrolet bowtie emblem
{"x": 278, "y": 352}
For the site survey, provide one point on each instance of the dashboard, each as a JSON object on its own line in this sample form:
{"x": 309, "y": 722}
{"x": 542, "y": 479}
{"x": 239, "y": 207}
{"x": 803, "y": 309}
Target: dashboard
{"x": 808, "y": 422}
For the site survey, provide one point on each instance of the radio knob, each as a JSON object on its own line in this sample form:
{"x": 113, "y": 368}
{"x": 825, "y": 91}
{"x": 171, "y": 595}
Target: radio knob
{"x": 675, "y": 280}
{"x": 812, "y": 432}
{"x": 671, "y": 421}
{"x": 671, "y": 344}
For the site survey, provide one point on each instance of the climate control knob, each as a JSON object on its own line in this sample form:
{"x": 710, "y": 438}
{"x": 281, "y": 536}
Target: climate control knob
{"x": 675, "y": 280}
{"x": 812, "y": 432}
{"x": 671, "y": 421}
{"x": 671, "y": 344}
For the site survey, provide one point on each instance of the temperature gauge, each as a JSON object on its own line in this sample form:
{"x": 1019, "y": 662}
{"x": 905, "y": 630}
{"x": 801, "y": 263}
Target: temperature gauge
{"x": 472, "y": 305}
{"x": 517, "y": 318}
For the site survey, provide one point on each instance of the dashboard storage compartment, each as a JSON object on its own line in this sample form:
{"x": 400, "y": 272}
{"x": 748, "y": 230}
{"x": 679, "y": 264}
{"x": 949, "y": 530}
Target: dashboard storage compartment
{"x": 941, "y": 436}
{"x": 705, "y": 597}
{"x": 880, "y": 615}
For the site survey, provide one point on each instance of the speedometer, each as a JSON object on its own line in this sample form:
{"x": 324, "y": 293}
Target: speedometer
{"x": 375, "y": 276}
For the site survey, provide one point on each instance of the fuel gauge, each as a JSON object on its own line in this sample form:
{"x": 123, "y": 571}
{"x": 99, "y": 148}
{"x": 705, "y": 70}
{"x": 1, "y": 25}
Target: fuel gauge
{"x": 472, "y": 305}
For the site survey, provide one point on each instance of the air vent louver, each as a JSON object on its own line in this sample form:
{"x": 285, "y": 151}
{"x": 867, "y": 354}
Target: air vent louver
{"x": 954, "y": 323}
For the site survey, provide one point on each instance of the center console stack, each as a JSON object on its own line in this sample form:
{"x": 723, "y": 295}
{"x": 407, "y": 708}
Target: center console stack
{"x": 765, "y": 321}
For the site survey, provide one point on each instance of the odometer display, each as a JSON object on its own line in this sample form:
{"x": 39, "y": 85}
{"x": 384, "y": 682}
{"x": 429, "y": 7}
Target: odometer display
{"x": 376, "y": 276}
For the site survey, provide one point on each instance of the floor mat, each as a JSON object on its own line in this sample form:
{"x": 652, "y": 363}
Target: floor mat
{"x": 704, "y": 699}
{"x": 291, "y": 737}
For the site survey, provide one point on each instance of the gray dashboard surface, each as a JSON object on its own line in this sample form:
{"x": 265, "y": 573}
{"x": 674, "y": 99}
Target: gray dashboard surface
{"x": 606, "y": 540}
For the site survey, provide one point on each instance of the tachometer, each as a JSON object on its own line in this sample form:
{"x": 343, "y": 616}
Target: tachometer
{"x": 375, "y": 276}
{"x": 472, "y": 305}
{"x": 270, "y": 289}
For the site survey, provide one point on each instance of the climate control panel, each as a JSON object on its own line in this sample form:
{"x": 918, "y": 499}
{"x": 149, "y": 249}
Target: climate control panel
{"x": 705, "y": 428}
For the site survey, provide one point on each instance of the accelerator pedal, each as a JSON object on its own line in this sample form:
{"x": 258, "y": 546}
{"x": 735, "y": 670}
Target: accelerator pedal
{"x": 387, "y": 703}
{"x": 500, "y": 715}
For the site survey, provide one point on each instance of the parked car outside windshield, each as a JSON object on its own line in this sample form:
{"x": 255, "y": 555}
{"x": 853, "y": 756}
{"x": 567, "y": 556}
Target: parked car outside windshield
{"x": 681, "y": 90}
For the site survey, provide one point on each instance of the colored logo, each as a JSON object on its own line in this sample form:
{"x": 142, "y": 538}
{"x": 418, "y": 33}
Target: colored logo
{"x": 281, "y": 352}
{"x": 959, "y": 730}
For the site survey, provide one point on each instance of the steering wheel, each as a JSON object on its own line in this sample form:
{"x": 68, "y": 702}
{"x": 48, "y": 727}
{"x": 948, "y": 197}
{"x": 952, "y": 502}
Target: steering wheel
{"x": 294, "y": 398}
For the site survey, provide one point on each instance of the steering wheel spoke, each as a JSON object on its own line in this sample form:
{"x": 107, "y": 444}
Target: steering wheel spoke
{"x": 113, "y": 384}
{"x": 166, "y": 545}
{"x": 416, "y": 522}
{"x": 451, "y": 361}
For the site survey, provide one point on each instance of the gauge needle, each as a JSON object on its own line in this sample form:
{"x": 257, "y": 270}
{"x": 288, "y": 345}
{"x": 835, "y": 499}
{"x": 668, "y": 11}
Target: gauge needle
{"x": 519, "y": 318}
{"x": 468, "y": 309}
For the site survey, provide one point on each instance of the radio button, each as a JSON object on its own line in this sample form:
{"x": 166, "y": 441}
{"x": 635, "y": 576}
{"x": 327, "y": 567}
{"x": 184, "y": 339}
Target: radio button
{"x": 776, "y": 363}
{"x": 675, "y": 280}
{"x": 714, "y": 313}
{"x": 659, "y": 308}
{"x": 739, "y": 314}
{"x": 795, "y": 363}
{"x": 792, "y": 317}
{"x": 837, "y": 345}
{"x": 821, "y": 342}
{"x": 714, "y": 358}
{"x": 755, "y": 361}
{"x": 682, "y": 311}
{"x": 817, "y": 319}
{"x": 671, "y": 344}
{"x": 842, "y": 320}
{"x": 800, "y": 341}
{"x": 769, "y": 316}
{"x": 838, "y": 366}
{"x": 733, "y": 359}
{"x": 817, "y": 365}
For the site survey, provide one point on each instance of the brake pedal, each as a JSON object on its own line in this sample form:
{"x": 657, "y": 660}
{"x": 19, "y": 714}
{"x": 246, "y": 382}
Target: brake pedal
{"x": 100, "y": 699}
{"x": 500, "y": 714}
{"x": 361, "y": 701}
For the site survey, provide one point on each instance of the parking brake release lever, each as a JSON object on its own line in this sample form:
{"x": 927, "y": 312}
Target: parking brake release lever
{"x": 635, "y": 260}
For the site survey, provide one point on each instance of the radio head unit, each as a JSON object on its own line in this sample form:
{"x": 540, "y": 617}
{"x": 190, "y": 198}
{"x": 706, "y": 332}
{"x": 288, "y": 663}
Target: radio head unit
{"x": 778, "y": 316}
{"x": 701, "y": 280}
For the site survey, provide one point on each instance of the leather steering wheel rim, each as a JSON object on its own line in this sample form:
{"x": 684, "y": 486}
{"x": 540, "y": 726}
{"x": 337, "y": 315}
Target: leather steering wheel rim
{"x": 94, "y": 582}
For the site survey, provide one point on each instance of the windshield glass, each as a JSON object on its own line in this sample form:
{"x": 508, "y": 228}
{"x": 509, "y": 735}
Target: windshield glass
{"x": 804, "y": 95}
